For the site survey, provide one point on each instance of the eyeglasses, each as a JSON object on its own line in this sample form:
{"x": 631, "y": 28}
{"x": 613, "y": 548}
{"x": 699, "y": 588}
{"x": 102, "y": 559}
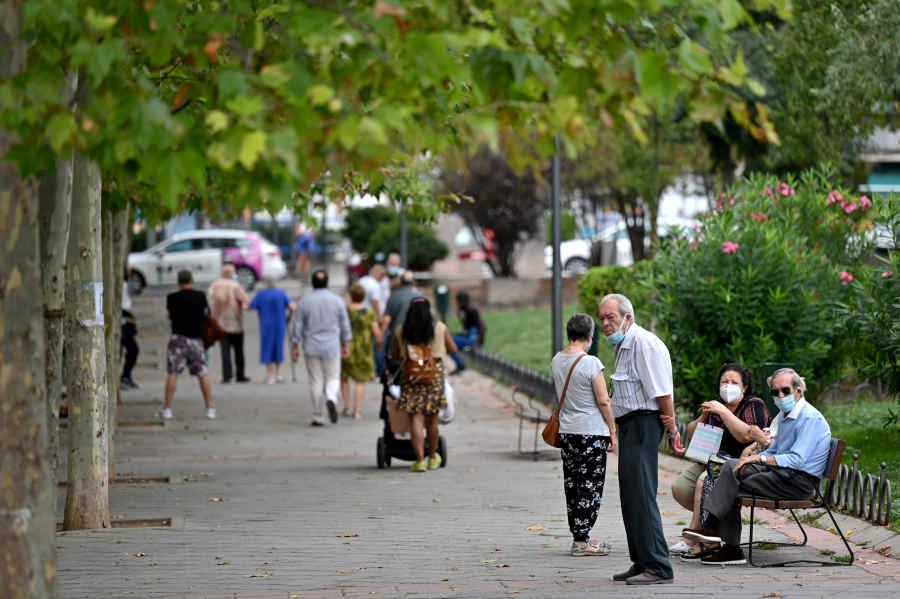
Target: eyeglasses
{"x": 780, "y": 392}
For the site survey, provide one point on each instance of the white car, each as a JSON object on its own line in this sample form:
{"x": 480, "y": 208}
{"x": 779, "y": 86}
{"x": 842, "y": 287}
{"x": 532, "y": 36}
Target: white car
{"x": 202, "y": 252}
{"x": 575, "y": 254}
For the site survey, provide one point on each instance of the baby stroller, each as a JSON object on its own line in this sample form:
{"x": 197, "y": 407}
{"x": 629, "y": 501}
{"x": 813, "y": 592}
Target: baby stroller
{"x": 396, "y": 443}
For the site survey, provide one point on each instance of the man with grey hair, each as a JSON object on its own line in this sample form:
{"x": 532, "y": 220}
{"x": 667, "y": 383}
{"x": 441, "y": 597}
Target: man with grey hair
{"x": 790, "y": 468}
{"x": 643, "y": 407}
{"x": 227, "y": 299}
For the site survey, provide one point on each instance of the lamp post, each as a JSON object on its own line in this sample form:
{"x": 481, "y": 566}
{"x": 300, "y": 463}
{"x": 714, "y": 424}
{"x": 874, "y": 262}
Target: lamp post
{"x": 557, "y": 267}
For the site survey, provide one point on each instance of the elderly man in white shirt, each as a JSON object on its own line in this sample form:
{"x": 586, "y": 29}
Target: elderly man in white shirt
{"x": 643, "y": 406}
{"x": 376, "y": 300}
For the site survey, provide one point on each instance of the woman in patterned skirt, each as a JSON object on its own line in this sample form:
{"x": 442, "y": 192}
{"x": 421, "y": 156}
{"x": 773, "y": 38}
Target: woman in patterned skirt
{"x": 587, "y": 431}
{"x": 423, "y": 401}
{"x": 360, "y": 364}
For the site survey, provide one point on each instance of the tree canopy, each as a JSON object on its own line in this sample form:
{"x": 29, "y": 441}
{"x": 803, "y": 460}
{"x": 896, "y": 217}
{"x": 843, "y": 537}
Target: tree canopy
{"x": 199, "y": 102}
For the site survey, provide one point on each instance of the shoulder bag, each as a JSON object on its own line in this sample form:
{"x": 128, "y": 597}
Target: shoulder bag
{"x": 551, "y": 431}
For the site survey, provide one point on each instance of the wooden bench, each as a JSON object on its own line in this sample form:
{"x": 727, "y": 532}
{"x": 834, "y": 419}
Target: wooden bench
{"x": 530, "y": 411}
{"x": 817, "y": 501}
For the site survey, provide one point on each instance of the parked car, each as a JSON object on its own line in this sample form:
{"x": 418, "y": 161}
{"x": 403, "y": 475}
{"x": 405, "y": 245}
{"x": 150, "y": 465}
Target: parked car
{"x": 202, "y": 252}
{"x": 575, "y": 254}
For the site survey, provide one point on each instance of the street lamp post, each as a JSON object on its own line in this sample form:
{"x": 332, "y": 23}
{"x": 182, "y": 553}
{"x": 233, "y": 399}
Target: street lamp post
{"x": 557, "y": 267}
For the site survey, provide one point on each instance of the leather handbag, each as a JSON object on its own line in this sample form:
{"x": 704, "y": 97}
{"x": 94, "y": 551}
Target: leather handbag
{"x": 551, "y": 430}
{"x": 212, "y": 332}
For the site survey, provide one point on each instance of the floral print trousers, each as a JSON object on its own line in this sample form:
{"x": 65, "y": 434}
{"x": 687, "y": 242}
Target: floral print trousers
{"x": 584, "y": 472}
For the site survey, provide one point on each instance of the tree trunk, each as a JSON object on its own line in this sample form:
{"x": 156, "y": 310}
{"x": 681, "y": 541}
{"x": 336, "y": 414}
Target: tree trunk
{"x": 27, "y": 528}
{"x": 56, "y": 202}
{"x": 118, "y": 250}
{"x": 109, "y": 332}
{"x": 87, "y": 502}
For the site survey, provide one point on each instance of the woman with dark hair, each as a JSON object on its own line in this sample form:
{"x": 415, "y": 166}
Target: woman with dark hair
{"x": 587, "y": 431}
{"x": 742, "y": 417}
{"x": 423, "y": 400}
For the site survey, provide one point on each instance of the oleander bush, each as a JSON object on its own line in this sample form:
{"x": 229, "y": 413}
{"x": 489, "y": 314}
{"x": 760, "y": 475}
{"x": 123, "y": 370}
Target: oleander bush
{"x": 760, "y": 280}
{"x": 630, "y": 281}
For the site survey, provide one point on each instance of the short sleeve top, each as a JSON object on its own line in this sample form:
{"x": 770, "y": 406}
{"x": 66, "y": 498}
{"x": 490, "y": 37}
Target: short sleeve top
{"x": 579, "y": 414}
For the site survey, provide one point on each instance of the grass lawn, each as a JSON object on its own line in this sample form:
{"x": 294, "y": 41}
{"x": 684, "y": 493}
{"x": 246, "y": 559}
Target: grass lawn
{"x": 861, "y": 425}
{"x": 525, "y": 336}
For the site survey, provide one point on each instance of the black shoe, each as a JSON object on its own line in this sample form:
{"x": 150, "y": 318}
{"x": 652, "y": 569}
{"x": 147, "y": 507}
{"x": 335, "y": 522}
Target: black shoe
{"x": 634, "y": 570}
{"x": 127, "y": 382}
{"x": 226, "y": 381}
{"x": 332, "y": 411}
{"x": 243, "y": 379}
{"x": 649, "y": 577}
{"x": 728, "y": 555}
{"x": 690, "y": 556}
{"x": 316, "y": 423}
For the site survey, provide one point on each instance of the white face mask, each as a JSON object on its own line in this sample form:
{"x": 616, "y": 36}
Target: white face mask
{"x": 730, "y": 393}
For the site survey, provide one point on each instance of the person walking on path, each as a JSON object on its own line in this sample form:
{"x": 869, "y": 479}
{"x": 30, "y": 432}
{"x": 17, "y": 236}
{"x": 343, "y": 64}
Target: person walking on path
{"x": 271, "y": 304}
{"x": 227, "y": 300}
{"x": 587, "y": 432}
{"x": 643, "y": 407}
{"x": 473, "y": 329}
{"x": 360, "y": 364}
{"x": 306, "y": 246}
{"x": 398, "y": 304}
{"x": 376, "y": 300}
{"x": 322, "y": 326}
{"x": 423, "y": 400}
{"x": 129, "y": 333}
{"x": 187, "y": 309}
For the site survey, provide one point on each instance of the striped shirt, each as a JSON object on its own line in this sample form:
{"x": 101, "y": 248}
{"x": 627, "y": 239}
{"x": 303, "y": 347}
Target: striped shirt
{"x": 643, "y": 372}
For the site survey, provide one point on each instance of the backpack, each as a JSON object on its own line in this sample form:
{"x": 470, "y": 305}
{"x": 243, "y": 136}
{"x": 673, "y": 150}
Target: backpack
{"x": 419, "y": 366}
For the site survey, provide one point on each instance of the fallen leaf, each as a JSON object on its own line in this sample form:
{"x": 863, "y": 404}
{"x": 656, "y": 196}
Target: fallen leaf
{"x": 216, "y": 499}
{"x": 348, "y": 535}
{"x": 267, "y": 563}
{"x": 140, "y": 554}
{"x": 350, "y": 571}
{"x": 363, "y": 503}
{"x": 488, "y": 561}
{"x": 223, "y": 563}
{"x": 535, "y": 527}
{"x": 220, "y": 557}
{"x": 294, "y": 595}
{"x": 849, "y": 532}
{"x": 445, "y": 579}
{"x": 513, "y": 592}
{"x": 258, "y": 575}
{"x": 435, "y": 499}
{"x": 492, "y": 505}
{"x": 771, "y": 595}
{"x": 503, "y": 566}
{"x": 496, "y": 549}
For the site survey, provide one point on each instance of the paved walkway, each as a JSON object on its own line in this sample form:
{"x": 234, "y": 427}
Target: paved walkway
{"x": 264, "y": 506}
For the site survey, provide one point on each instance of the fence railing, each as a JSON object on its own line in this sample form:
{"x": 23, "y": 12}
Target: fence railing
{"x": 855, "y": 492}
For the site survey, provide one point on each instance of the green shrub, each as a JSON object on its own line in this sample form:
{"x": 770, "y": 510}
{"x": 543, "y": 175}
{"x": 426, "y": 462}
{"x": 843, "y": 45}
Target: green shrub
{"x": 567, "y": 228}
{"x": 631, "y": 281}
{"x": 759, "y": 282}
{"x": 360, "y": 224}
{"x": 423, "y": 245}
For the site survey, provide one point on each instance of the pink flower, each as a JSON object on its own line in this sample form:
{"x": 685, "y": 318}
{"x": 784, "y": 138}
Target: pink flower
{"x": 730, "y": 247}
{"x": 849, "y": 208}
{"x": 834, "y": 196}
{"x": 845, "y": 277}
{"x": 759, "y": 217}
{"x": 785, "y": 189}
{"x": 768, "y": 192}
{"x": 865, "y": 203}
{"x": 693, "y": 245}
{"x": 886, "y": 274}
{"x": 731, "y": 202}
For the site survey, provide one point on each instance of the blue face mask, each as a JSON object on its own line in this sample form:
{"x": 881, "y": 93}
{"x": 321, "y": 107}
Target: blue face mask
{"x": 393, "y": 270}
{"x": 617, "y": 337}
{"x": 786, "y": 403}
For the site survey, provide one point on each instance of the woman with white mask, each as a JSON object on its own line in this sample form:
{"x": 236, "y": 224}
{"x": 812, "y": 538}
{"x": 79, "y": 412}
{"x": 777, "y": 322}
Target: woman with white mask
{"x": 742, "y": 418}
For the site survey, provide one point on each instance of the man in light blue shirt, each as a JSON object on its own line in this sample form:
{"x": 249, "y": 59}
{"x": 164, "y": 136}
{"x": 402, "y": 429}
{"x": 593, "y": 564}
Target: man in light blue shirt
{"x": 789, "y": 469}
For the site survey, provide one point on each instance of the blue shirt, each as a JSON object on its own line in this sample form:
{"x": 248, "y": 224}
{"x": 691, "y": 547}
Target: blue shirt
{"x": 803, "y": 440}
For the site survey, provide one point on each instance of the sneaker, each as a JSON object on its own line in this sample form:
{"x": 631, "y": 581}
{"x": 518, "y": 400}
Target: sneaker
{"x": 332, "y": 411}
{"x": 243, "y": 379}
{"x": 419, "y": 466}
{"x": 648, "y": 577}
{"x": 435, "y": 462}
{"x": 704, "y": 535}
{"x": 693, "y": 556}
{"x": 634, "y": 570}
{"x": 728, "y": 555}
{"x": 128, "y": 382}
{"x": 317, "y": 423}
{"x": 211, "y": 413}
{"x": 165, "y": 413}
{"x": 589, "y": 548}
{"x": 680, "y": 547}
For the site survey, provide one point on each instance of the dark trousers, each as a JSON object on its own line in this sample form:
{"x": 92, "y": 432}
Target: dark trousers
{"x": 584, "y": 474}
{"x": 229, "y": 341}
{"x": 765, "y": 481}
{"x": 462, "y": 342}
{"x": 131, "y": 348}
{"x": 639, "y": 435}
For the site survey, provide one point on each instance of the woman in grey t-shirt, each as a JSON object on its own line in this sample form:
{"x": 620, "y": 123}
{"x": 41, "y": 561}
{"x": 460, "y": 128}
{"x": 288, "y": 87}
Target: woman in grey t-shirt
{"x": 587, "y": 431}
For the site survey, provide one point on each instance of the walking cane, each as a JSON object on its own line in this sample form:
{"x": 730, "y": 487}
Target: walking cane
{"x": 287, "y": 340}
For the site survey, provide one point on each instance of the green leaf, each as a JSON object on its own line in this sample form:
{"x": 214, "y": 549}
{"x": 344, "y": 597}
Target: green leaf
{"x": 99, "y": 22}
{"x": 373, "y": 128}
{"x": 98, "y": 58}
{"x": 274, "y": 76}
{"x": 251, "y": 148}
{"x": 320, "y": 94}
{"x": 348, "y": 131}
{"x": 732, "y": 13}
{"x": 245, "y": 105}
{"x": 125, "y": 150}
{"x": 217, "y": 121}
{"x": 694, "y": 57}
{"x": 60, "y": 128}
{"x": 231, "y": 83}
{"x": 523, "y": 29}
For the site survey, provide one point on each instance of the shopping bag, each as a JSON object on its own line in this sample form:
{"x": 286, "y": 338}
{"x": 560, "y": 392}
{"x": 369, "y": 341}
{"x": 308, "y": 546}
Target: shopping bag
{"x": 445, "y": 416}
{"x": 704, "y": 443}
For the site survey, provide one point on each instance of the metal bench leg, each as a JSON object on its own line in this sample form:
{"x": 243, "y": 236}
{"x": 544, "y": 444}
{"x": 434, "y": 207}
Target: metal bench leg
{"x": 841, "y": 533}
{"x": 537, "y": 424}
{"x": 521, "y": 419}
{"x": 750, "y": 544}
{"x": 802, "y": 530}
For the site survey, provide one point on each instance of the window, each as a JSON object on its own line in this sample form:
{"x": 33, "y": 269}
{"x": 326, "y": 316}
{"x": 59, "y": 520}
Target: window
{"x": 184, "y": 245}
{"x": 219, "y": 243}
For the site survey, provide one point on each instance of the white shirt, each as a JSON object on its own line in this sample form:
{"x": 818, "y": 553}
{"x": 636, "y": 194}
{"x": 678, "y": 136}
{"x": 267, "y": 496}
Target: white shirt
{"x": 126, "y": 297}
{"x": 373, "y": 292}
{"x": 385, "y": 292}
{"x": 579, "y": 414}
{"x": 643, "y": 372}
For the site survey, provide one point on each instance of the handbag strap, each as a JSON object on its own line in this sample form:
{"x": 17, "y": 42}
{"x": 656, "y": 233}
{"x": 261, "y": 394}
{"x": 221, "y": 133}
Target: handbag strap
{"x": 562, "y": 396}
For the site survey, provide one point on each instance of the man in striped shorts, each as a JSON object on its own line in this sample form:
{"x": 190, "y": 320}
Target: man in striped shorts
{"x": 643, "y": 407}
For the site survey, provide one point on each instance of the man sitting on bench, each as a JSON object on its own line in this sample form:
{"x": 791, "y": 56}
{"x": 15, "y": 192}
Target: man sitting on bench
{"x": 789, "y": 469}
